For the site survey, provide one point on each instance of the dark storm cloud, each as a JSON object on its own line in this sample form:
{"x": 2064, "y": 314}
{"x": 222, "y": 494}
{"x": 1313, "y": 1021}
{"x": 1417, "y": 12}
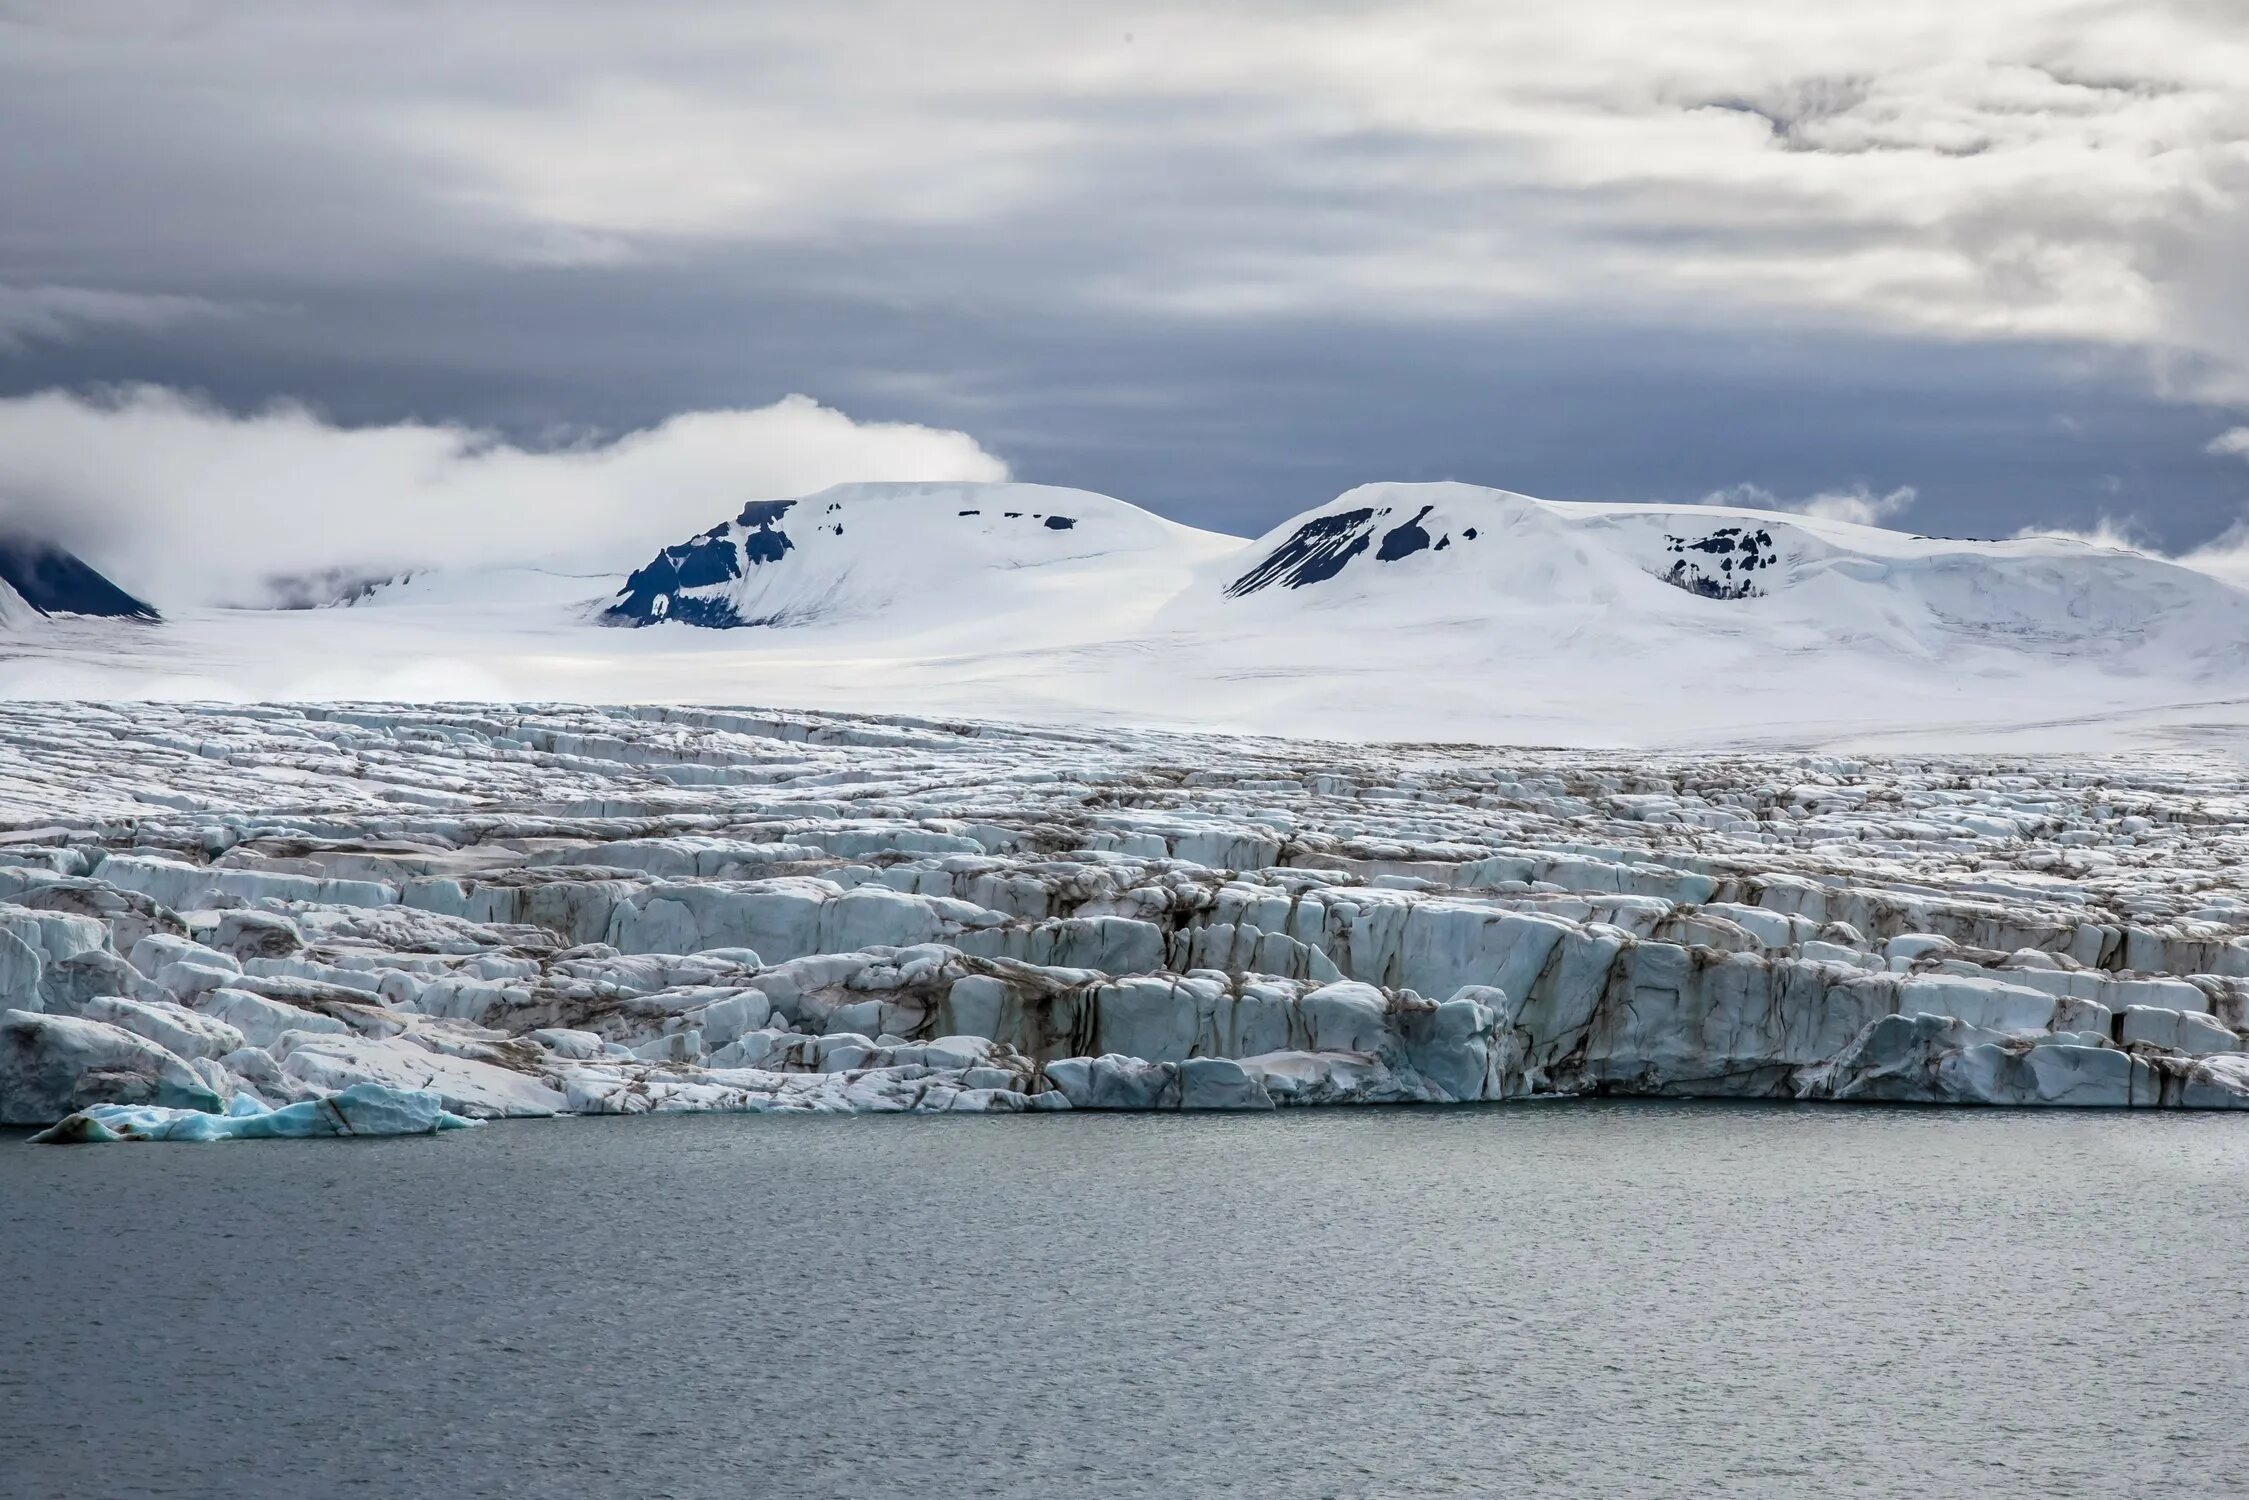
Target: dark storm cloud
{"x": 1221, "y": 261}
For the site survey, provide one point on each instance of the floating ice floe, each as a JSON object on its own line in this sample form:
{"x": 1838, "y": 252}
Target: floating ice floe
{"x": 362, "y": 1109}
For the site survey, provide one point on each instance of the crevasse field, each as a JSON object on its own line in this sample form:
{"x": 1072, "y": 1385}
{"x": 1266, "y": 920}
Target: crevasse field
{"x": 330, "y": 920}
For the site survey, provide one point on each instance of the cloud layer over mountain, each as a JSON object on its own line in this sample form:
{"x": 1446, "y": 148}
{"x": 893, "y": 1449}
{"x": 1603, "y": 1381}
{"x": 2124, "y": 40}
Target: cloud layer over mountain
{"x": 187, "y": 504}
{"x": 1228, "y": 259}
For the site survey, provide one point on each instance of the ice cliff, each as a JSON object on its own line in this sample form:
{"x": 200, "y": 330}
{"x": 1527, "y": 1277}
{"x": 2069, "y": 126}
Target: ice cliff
{"x": 474, "y": 912}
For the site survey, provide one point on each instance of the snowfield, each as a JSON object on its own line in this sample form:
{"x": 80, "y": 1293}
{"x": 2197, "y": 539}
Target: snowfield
{"x": 227, "y": 921}
{"x": 1394, "y": 612}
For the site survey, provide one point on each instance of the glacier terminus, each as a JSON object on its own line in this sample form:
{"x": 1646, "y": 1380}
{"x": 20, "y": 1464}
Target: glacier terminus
{"x": 220, "y": 921}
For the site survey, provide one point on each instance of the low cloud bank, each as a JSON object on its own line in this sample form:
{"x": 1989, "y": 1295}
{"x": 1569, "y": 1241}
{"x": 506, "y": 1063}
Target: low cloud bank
{"x": 186, "y": 504}
{"x": 2225, "y": 556}
{"x": 1857, "y": 504}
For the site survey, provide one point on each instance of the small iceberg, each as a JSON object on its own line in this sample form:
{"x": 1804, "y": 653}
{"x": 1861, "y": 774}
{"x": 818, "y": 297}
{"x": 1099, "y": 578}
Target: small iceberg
{"x": 362, "y": 1109}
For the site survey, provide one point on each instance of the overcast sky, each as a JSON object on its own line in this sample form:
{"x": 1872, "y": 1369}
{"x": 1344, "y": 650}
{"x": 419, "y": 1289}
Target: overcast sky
{"x": 322, "y": 280}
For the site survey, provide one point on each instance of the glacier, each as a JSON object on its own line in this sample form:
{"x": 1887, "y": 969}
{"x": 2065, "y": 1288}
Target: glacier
{"x": 225, "y": 921}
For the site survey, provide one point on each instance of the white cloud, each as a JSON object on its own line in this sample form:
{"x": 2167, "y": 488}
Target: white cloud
{"x": 2122, "y": 533}
{"x": 2233, "y": 442}
{"x": 185, "y": 503}
{"x": 918, "y": 184}
{"x": 1858, "y": 504}
{"x": 2225, "y": 556}
{"x": 2010, "y": 168}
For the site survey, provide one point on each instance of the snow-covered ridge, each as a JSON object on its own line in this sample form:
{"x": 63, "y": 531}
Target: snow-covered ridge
{"x": 906, "y": 554}
{"x": 1399, "y": 552}
{"x": 496, "y": 910}
{"x": 1425, "y": 612}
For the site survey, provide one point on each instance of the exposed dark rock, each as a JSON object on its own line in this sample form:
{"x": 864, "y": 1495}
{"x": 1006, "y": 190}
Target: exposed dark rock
{"x": 1404, "y": 540}
{"x": 1317, "y": 551}
{"x": 1737, "y": 552}
{"x": 55, "y": 582}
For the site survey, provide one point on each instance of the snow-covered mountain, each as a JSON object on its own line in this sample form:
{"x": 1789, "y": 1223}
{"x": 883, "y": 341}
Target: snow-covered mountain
{"x": 1400, "y": 556}
{"x": 1395, "y": 612}
{"x": 1480, "y": 566}
{"x": 914, "y": 556}
{"x": 39, "y": 578}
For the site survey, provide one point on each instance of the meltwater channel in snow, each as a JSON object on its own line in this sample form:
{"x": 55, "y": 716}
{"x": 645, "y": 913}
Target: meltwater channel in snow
{"x": 219, "y": 922}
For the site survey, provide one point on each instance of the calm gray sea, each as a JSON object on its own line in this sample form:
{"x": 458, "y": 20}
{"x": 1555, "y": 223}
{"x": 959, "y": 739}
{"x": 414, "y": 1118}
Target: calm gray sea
{"x": 1562, "y": 1299}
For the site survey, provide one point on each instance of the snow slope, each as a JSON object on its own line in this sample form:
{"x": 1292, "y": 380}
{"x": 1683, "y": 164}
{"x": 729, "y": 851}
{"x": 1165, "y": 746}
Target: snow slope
{"x": 1039, "y": 562}
{"x": 16, "y": 613}
{"x": 1399, "y": 555}
{"x": 1396, "y": 612}
{"x": 1454, "y": 611}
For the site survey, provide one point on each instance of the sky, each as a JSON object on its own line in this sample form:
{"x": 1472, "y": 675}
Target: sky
{"x": 303, "y": 285}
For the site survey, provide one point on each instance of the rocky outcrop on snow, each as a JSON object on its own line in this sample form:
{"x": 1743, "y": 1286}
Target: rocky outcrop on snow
{"x": 356, "y": 919}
